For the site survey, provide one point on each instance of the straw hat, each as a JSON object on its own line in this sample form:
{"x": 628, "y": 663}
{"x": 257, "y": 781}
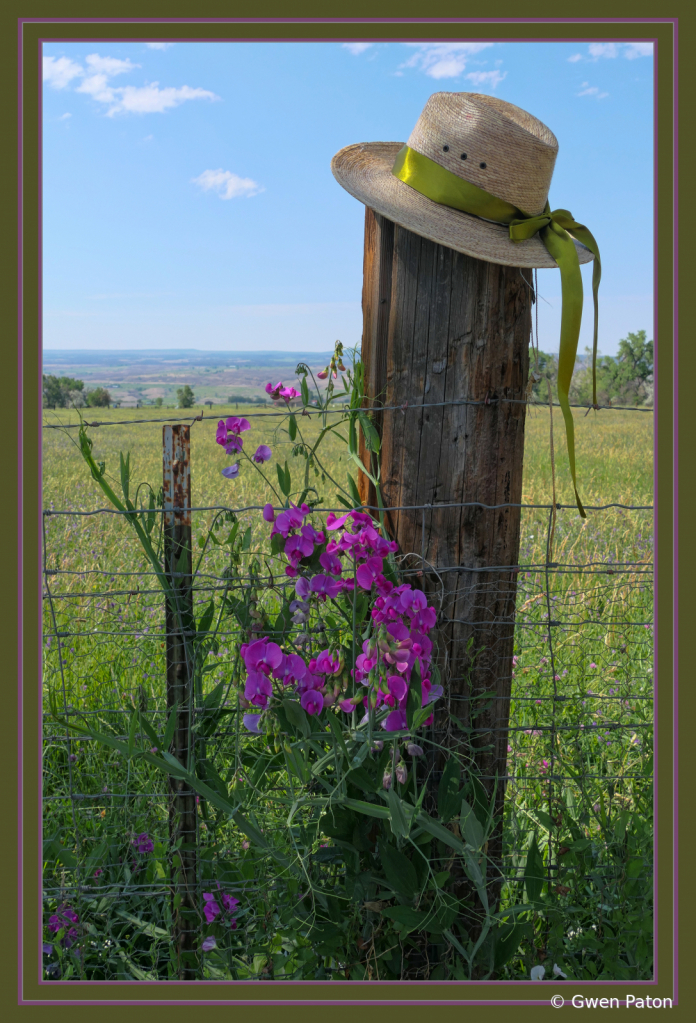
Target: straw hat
{"x": 482, "y": 140}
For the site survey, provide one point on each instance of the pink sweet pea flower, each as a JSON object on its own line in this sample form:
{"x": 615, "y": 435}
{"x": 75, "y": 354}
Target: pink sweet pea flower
{"x": 312, "y": 701}
{"x": 211, "y": 908}
{"x": 257, "y": 689}
{"x": 395, "y": 721}
{"x": 335, "y": 522}
{"x": 328, "y": 664}
{"x": 236, "y": 425}
{"x": 288, "y": 393}
{"x": 268, "y": 513}
{"x": 367, "y": 573}
{"x": 397, "y": 686}
{"x": 261, "y": 655}
{"x": 209, "y": 943}
{"x": 274, "y": 391}
{"x": 331, "y": 563}
{"x": 234, "y": 444}
{"x": 322, "y": 374}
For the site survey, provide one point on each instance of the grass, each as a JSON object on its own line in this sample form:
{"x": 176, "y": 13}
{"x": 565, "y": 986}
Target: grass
{"x": 580, "y": 740}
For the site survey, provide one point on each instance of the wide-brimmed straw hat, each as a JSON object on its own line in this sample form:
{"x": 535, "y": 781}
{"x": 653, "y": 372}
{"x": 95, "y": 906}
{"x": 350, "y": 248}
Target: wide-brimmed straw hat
{"x": 486, "y": 143}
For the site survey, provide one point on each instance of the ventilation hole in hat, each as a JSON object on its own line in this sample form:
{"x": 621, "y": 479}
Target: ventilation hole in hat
{"x": 445, "y": 149}
{"x": 482, "y": 166}
{"x": 463, "y": 156}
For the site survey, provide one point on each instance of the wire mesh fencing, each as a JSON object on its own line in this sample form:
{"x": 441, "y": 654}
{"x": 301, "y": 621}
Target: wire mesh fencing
{"x": 571, "y": 723}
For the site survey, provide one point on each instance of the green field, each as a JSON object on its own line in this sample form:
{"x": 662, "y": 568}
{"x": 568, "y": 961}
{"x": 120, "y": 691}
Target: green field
{"x": 580, "y": 756}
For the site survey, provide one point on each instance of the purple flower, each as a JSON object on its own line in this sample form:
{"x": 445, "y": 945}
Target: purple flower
{"x": 262, "y": 655}
{"x": 288, "y": 393}
{"x": 211, "y": 908}
{"x": 413, "y": 601}
{"x": 395, "y": 721}
{"x": 413, "y": 750}
{"x": 262, "y": 454}
{"x": 72, "y": 758}
{"x": 268, "y": 513}
{"x": 143, "y": 843}
{"x": 367, "y": 573}
{"x": 397, "y": 686}
{"x": 234, "y": 444}
{"x": 209, "y": 943}
{"x": 257, "y": 689}
{"x": 229, "y": 903}
{"x": 98, "y": 872}
{"x": 274, "y": 391}
{"x": 331, "y": 563}
{"x": 328, "y": 664}
{"x": 335, "y": 522}
{"x": 312, "y": 701}
{"x": 251, "y": 723}
{"x": 230, "y": 472}
{"x": 237, "y": 425}
{"x": 302, "y": 588}
{"x": 61, "y": 921}
{"x": 291, "y": 669}
{"x": 401, "y": 773}
{"x": 47, "y": 949}
{"x": 324, "y": 586}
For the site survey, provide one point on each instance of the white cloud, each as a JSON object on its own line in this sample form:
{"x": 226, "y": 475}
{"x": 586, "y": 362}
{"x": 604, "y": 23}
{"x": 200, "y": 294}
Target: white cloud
{"x": 634, "y": 50}
{"x": 486, "y": 79}
{"x": 158, "y": 46}
{"x": 150, "y": 99}
{"x": 226, "y": 184}
{"x": 357, "y": 48}
{"x": 96, "y": 82}
{"x": 443, "y": 60}
{"x": 591, "y": 90}
{"x": 60, "y": 71}
{"x": 595, "y": 51}
{"x": 64, "y": 117}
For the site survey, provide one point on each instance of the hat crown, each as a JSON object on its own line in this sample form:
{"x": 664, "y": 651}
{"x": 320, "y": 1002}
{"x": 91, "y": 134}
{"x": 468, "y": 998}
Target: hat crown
{"x": 490, "y": 143}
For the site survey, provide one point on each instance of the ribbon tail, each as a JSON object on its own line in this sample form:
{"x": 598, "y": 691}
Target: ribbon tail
{"x": 560, "y": 245}
{"x": 586, "y": 237}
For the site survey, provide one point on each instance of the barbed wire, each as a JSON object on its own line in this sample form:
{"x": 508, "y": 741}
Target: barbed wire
{"x": 309, "y": 412}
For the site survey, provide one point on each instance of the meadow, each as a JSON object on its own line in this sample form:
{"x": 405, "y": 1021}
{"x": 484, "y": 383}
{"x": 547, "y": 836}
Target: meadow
{"x": 580, "y": 744}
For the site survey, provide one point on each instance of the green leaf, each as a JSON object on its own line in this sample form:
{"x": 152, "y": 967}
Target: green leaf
{"x": 439, "y": 832}
{"x": 534, "y": 871}
{"x": 170, "y": 727}
{"x": 151, "y": 516}
{"x": 206, "y": 618}
{"x": 148, "y": 729}
{"x": 132, "y": 730}
{"x": 448, "y": 799}
{"x": 354, "y": 492}
{"x": 506, "y": 940}
{"x": 415, "y": 698}
{"x": 352, "y": 436}
{"x": 296, "y": 715}
{"x": 369, "y": 809}
{"x": 369, "y": 432}
{"x": 470, "y": 826}
{"x": 125, "y": 473}
{"x": 292, "y": 426}
{"x": 246, "y": 540}
{"x": 212, "y": 700}
{"x": 398, "y": 870}
{"x": 398, "y": 820}
{"x": 405, "y": 918}
{"x": 277, "y": 542}
{"x": 62, "y": 854}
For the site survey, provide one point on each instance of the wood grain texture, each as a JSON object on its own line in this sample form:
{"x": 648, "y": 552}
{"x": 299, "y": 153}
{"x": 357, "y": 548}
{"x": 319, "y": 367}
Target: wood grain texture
{"x": 440, "y": 326}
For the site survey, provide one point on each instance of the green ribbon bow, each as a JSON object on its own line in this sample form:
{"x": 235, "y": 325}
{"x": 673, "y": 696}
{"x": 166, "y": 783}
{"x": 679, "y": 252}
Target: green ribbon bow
{"x": 553, "y": 227}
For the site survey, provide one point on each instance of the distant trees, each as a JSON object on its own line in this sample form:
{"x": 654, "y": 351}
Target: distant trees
{"x": 159, "y": 402}
{"x": 61, "y": 392}
{"x": 185, "y": 397}
{"x": 98, "y": 398}
{"x": 626, "y": 379}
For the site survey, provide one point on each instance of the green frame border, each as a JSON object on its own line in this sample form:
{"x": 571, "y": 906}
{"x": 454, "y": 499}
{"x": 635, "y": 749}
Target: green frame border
{"x": 30, "y": 33}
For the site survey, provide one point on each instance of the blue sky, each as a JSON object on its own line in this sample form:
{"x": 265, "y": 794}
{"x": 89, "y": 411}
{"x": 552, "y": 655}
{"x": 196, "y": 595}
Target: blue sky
{"x": 188, "y": 199}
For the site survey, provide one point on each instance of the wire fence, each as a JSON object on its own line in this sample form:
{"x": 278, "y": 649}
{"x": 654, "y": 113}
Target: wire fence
{"x": 576, "y": 719}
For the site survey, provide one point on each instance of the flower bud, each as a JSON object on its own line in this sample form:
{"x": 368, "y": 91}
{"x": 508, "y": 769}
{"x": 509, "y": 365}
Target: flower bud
{"x": 387, "y": 780}
{"x": 401, "y": 773}
{"x": 378, "y": 744}
{"x": 413, "y": 750}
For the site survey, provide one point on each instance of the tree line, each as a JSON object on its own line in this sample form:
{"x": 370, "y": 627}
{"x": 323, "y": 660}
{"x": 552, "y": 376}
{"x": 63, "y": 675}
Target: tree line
{"x": 624, "y": 379}
{"x": 65, "y": 392}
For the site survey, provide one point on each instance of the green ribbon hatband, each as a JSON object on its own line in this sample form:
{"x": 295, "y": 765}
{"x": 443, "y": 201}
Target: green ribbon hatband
{"x": 553, "y": 227}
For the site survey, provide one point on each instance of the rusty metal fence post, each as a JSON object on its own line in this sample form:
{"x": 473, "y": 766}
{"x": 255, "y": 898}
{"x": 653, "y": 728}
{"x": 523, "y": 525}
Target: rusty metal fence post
{"x": 180, "y": 631}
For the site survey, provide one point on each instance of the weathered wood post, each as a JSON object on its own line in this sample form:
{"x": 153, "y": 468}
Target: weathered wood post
{"x": 180, "y": 628}
{"x": 445, "y": 348}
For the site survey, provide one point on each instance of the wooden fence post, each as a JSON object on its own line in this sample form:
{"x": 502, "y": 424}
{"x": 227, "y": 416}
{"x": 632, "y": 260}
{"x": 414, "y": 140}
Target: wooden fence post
{"x": 442, "y": 327}
{"x": 180, "y": 628}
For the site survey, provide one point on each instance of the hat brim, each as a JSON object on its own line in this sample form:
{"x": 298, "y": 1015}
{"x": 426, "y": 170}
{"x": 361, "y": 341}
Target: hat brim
{"x": 365, "y": 170}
